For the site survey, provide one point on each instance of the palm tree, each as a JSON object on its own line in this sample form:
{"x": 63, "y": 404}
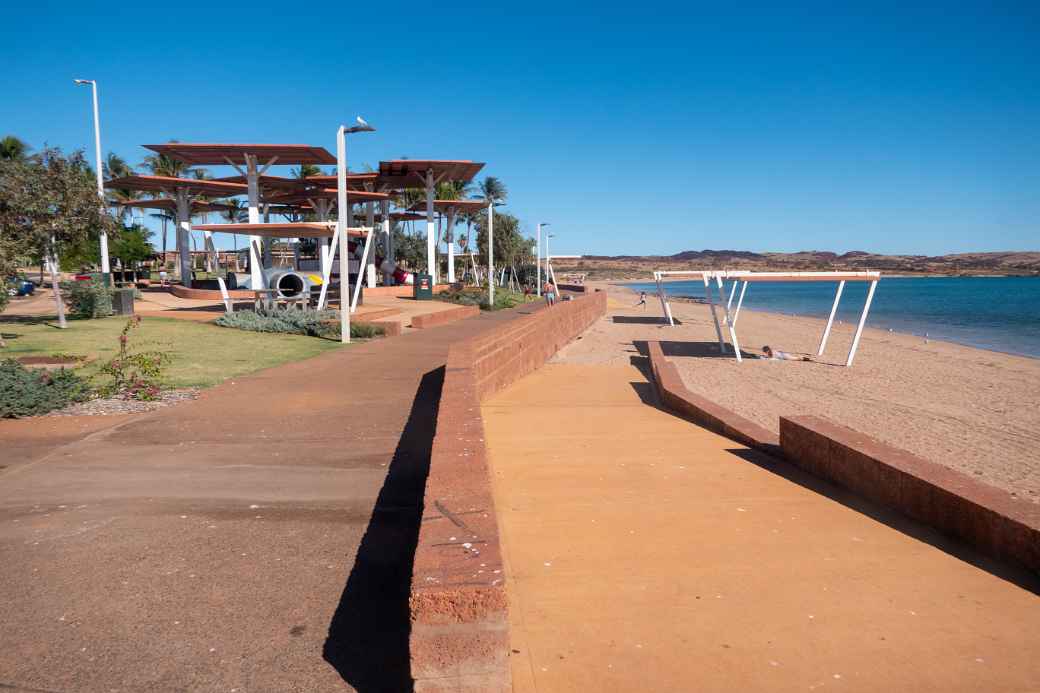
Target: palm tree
{"x": 162, "y": 165}
{"x": 13, "y": 148}
{"x": 494, "y": 190}
{"x": 235, "y": 213}
{"x": 115, "y": 166}
{"x": 305, "y": 171}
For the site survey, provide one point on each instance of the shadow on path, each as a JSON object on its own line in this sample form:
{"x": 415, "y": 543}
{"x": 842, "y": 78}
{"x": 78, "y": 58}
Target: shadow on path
{"x": 892, "y": 518}
{"x": 642, "y": 320}
{"x": 368, "y": 637}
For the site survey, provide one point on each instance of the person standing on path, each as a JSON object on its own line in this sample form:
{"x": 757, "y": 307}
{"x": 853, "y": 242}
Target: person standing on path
{"x": 550, "y": 294}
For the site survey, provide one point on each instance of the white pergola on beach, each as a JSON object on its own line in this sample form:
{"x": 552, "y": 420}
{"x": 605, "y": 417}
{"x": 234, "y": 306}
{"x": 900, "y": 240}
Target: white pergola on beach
{"x": 719, "y": 277}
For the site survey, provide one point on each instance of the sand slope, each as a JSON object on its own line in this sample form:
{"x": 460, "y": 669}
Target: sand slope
{"x": 972, "y": 410}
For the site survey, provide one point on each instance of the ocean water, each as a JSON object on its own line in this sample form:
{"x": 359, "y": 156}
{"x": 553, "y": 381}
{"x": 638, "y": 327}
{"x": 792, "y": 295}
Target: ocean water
{"x": 998, "y": 313}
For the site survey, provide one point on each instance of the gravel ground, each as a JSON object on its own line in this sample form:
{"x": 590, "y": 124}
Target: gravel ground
{"x": 118, "y": 405}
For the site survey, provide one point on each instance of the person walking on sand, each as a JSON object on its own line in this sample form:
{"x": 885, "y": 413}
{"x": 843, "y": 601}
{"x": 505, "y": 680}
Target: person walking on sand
{"x": 642, "y": 300}
{"x": 778, "y": 355}
{"x": 550, "y": 294}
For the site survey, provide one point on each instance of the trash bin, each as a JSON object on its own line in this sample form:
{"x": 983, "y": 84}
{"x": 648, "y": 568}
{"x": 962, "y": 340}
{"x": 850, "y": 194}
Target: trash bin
{"x": 422, "y": 289}
{"x": 123, "y": 302}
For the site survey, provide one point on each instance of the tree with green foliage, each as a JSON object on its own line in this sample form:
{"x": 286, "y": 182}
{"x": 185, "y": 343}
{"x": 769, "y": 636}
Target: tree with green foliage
{"x": 13, "y": 148}
{"x": 49, "y": 202}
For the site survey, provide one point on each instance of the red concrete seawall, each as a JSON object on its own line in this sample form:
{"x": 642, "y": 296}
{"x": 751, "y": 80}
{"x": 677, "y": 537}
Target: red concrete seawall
{"x": 953, "y": 503}
{"x": 460, "y": 635}
{"x": 422, "y": 322}
{"x": 982, "y": 516}
{"x": 676, "y": 396}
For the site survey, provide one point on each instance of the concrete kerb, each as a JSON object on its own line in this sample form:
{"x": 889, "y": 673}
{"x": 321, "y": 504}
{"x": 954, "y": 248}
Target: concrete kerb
{"x": 459, "y": 623}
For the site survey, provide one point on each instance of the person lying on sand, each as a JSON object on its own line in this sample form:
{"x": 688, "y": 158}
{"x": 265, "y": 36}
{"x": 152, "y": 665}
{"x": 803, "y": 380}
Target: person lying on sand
{"x": 778, "y": 355}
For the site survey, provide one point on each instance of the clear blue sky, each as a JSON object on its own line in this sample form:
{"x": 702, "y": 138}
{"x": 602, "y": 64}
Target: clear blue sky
{"x": 643, "y": 129}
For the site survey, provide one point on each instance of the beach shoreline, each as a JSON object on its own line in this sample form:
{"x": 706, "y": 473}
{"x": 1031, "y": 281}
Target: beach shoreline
{"x": 969, "y": 409}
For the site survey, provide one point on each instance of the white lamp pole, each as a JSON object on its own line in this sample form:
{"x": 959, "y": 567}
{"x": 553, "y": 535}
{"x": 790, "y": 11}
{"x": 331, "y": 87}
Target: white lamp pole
{"x": 491, "y": 254}
{"x": 342, "y": 211}
{"x": 100, "y": 179}
{"x": 538, "y": 261}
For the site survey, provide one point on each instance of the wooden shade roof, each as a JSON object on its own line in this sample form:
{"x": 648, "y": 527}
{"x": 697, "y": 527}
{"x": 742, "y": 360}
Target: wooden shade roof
{"x": 217, "y": 154}
{"x": 269, "y": 182}
{"x": 355, "y": 181}
{"x": 168, "y": 203}
{"x": 411, "y": 173}
{"x": 298, "y": 229}
{"x": 213, "y": 188}
{"x": 353, "y": 196}
{"x": 445, "y": 205}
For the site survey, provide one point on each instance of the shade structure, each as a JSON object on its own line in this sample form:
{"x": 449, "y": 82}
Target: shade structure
{"x": 167, "y": 184}
{"x": 427, "y": 174}
{"x": 269, "y": 182}
{"x": 217, "y": 154}
{"x": 411, "y": 173}
{"x": 302, "y": 196}
{"x": 355, "y": 181}
{"x": 170, "y": 204}
{"x": 297, "y": 229}
{"x": 457, "y": 205}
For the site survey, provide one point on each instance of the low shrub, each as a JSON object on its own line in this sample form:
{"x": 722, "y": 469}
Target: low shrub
{"x": 478, "y": 297}
{"x": 313, "y": 323}
{"x": 28, "y": 392}
{"x": 88, "y": 299}
{"x": 134, "y": 374}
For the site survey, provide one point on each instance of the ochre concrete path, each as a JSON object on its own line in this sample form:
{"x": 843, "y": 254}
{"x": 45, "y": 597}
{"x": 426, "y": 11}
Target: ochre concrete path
{"x": 214, "y": 545}
{"x": 644, "y": 553}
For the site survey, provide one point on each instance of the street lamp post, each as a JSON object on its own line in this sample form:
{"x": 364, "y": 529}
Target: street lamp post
{"x": 491, "y": 254}
{"x": 100, "y": 179}
{"x": 538, "y": 260}
{"x": 341, "y": 215}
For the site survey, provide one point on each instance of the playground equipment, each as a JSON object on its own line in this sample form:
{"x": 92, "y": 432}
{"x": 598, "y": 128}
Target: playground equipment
{"x": 719, "y": 277}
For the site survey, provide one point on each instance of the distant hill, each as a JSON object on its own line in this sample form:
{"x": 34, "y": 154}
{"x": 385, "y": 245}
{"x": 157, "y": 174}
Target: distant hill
{"x": 627, "y": 266}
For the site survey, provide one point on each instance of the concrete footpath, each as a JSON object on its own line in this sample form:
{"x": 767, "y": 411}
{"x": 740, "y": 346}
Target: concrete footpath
{"x": 258, "y": 539}
{"x": 644, "y": 553}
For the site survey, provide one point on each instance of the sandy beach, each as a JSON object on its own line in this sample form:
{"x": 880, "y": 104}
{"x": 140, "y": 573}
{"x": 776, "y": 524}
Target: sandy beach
{"x": 972, "y": 410}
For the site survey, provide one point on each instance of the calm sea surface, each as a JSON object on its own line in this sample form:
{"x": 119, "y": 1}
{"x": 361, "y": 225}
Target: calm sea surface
{"x": 999, "y": 313}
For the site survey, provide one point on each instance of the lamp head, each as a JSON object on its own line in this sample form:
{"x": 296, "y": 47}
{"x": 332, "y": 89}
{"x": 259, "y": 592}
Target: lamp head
{"x": 83, "y": 81}
{"x": 362, "y": 126}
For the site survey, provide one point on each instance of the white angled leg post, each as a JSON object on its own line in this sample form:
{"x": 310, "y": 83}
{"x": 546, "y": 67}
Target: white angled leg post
{"x": 341, "y": 211}
{"x": 729, "y": 322}
{"x": 364, "y": 259}
{"x": 740, "y": 302}
{"x": 830, "y": 319}
{"x": 664, "y": 302}
{"x": 369, "y": 265}
{"x": 714, "y": 315}
{"x": 862, "y": 322}
{"x": 387, "y": 239}
{"x": 732, "y": 293}
{"x": 326, "y": 268}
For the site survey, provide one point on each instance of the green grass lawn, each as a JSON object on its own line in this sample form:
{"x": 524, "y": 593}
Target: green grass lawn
{"x": 201, "y": 354}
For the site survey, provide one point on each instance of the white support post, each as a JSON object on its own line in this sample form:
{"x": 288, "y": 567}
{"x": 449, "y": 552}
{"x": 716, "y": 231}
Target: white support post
{"x": 830, "y": 318}
{"x": 370, "y": 268}
{"x": 224, "y": 295}
{"x": 326, "y": 268}
{"x": 538, "y": 262}
{"x": 451, "y": 244}
{"x": 732, "y": 292}
{"x": 862, "y": 322}
{"x": 341, "y": 210}
{"x": 268, "y": 257}
{"x": 364, "y": 259}
{"x": 431, "y": 231}
{"x": 740, "y": 302}
{"x": 184, "y": 235}
{"x": 256, "y": 275}
{"x": 664, "y": 302}
{"x": 387, "y": 239}
{"x": 491, "y": 253}
{"x": 729, "y": 322}
{"x": 714, "y": 316}
{"x": 211, "y": 250}
{"x": 552, "y": 278}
